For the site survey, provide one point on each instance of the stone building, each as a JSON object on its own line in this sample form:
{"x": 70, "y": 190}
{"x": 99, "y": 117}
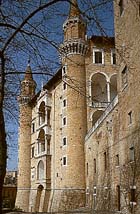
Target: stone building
{"x": 9, "y": 190}
{"x": 78, "y": 138}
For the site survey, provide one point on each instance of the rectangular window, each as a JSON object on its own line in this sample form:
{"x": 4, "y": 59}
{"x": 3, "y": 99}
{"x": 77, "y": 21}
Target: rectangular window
{"x": 33, "y": 127}
{"x": 48, "y": 116}
{"x": 94, "y": 165}
{"x": 105, "y": 161}
{"x": 121, "y": 5}
{"x": 125, "y": 77}
{"x": 64, "y": 141}
{"x": 64, "y": 103}
{"x": 113, "y": 57}
{"x": 133, "y": 195}
{"x": 64, "y": 121}
{"x": 118, "y": 198}
{"x": 32, "y": 152}
{"x": 64, "y": 161}
{"x": 132, "y": 153}
{"x": 64, "y": 70}
{"x": 94, "y": 191}
{"x": 87, "y": 169}
{"x": 130, "y": 117}
{"x": 98, "y": 56}
{"x": 117, "y": 160}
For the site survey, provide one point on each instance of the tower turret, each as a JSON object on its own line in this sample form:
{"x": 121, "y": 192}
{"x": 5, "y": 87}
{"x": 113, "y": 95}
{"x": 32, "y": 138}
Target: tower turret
{"x": 74, "y": 126}
{"x": 28, "y": 86}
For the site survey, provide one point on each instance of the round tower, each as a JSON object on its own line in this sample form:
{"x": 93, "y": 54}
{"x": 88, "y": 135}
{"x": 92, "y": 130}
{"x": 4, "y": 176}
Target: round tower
{"x": 73, "y": 52}
{"x": 28, "y": 86}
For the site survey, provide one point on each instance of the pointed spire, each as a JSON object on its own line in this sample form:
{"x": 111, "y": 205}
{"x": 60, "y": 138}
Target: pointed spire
{"x": 28, "y": 72}
{"x": 74, "y": 9}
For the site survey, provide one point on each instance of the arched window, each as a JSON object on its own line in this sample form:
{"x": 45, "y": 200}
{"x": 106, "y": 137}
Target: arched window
{"x": 42, "y": 113}
{"x": 96, "y": 115}
{"x": 41, "y": 141}
{"x": 40, "y": 170}
{"x": 99, "y": 90}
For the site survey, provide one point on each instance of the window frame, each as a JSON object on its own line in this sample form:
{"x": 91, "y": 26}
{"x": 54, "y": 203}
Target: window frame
{"x": 64, "y": 160}
{"x": 112, "y": 57}
{"x": 96, "y": 50}
{"x": 65, "y": 141}
{"x": 64, "y": 70}
{"x": 64, "y": 121}
{"x": 131, "y": 154}
{"x": 64, "y": 103}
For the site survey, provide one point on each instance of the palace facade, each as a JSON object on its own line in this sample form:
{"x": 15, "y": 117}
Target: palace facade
{"x": 79, "y": 136}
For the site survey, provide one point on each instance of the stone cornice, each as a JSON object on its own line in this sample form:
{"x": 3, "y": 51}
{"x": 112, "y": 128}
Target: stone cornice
{"x": 77, "y": 46}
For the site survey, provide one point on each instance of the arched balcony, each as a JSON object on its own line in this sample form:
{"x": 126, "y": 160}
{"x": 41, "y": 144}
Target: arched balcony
{"x": 41, "y": 141}
{"x": 42, "y": 113}
{"x": 102, "y": 90}
{"x": 100, "y": 96}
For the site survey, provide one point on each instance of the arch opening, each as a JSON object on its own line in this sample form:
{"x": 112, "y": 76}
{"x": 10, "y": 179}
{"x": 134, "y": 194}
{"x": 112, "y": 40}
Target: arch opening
{"x": 99, "y": 94}
{"x": 41, "y": 141}
{"x": 42, "y": 113}
{"x": 96, "y": 115}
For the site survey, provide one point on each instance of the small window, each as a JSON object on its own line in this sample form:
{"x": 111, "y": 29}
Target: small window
{"x": 94, "y": 165}
{"x": 105, "y": 161}
{"x": 64, "y": 70}
{"x": 98, "y": 56}
{"x": 87, "y": 169}
{"x": 121, "y": 5}
{"x": 48, "y": 116}
{"x": 64, "y": 103}
{"x": 64, "y": 121}
{"x": 64, "y": 86}
{"x": 113, "y": 57}
{"x": 94, "y": 191}
{"x": 64, "y": 141}
{"x": 64, "y": 161}
{"x": 133, "y": 195}
{"x": 33, "y": 127}
{"x": 132, "y": 153}
{"x": 32, "y": 152}
{"x": 125, "y": 77}
{"x": 118, "y": 198}
{"x": 130, "y": 117}
{"x": 117, "y": 160}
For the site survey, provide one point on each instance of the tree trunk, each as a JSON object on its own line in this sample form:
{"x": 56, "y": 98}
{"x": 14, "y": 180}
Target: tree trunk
{"x": 3, "y": 145}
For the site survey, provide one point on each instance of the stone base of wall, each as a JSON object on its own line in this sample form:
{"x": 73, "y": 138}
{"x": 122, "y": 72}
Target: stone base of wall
{"x": 22, "y": 199}
{"x": 67, "y": 199}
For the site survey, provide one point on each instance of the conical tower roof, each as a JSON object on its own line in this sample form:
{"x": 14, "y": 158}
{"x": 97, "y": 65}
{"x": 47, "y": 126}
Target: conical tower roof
{"x": 74, "y": 9}
{"x": 28, "y": 72}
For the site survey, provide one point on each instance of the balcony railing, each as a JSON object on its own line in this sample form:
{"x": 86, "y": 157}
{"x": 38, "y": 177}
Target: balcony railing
{"x": 109, "y": 108}
{"x": 99, "y": 104}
